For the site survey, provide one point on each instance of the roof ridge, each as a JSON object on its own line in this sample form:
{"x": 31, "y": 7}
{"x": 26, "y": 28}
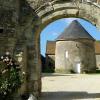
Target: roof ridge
{"x": 75, "y": 31}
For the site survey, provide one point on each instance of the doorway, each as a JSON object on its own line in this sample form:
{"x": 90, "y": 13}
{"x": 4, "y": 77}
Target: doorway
{"x": 77, "y": 67}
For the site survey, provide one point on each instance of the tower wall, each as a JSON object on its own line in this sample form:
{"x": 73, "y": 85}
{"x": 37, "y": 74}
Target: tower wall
{"x": 73, "y": 53}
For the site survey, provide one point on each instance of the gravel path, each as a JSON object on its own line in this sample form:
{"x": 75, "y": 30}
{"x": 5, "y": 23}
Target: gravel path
{"x": 70, "y": 87}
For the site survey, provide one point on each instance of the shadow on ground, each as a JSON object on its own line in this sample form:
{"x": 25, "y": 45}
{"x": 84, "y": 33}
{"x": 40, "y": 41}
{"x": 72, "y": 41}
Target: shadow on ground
{"x": 69, "y": 95}
{"x": 55, "y": 74}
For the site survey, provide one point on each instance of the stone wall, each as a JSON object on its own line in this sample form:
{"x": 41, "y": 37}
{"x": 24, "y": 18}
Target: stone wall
{"x": 69, "y": 53}
{"x": 50, "y": 63}
{"x": 8, "y": 25}
{"x": 48, "y": 12}
{"x": 22, "y": 19}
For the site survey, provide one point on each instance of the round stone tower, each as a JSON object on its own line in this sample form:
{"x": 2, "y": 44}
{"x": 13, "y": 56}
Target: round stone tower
{"x": 75, "y": 50}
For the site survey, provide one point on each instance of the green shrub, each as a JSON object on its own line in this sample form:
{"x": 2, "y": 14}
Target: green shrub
{"x": 10, "y": 79}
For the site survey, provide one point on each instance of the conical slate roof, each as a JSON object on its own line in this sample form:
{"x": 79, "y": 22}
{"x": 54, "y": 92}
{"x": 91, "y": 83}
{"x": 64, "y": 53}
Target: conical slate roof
{"x": 75, "y": 31}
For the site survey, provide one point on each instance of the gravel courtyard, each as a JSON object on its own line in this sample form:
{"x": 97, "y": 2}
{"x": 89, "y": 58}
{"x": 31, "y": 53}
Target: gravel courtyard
{"x": 70, "y": 87}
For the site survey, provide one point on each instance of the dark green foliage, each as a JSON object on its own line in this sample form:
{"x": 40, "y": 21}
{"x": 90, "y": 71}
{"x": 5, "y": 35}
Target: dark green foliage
{"x": 49, "y": 70}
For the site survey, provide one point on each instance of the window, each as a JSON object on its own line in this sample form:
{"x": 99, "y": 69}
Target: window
{"x": 1, "y": 30}
{"x": 66, "y": 54}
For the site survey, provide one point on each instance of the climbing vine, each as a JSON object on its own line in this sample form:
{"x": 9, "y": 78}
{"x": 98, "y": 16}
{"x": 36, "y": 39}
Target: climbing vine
{"x": 10, "y": 79}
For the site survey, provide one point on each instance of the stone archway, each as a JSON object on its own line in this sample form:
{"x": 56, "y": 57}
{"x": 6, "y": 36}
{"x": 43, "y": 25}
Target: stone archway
{"x": 56, "y": 9}
{"x": 41, "y": 14}
{"x": 31, "y": 17}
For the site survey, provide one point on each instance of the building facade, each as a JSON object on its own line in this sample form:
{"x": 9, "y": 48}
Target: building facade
{"x": 50, "y": 56}
{"x": 74, "y": 50}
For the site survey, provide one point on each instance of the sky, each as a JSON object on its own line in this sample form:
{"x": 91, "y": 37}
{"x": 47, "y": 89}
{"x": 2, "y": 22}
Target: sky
{"x": 54, "y": 29}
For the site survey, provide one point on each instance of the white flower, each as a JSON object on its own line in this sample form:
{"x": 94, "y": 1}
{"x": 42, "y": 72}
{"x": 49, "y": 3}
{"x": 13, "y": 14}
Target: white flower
{"x": 7, "y": 53}
{"x": 1, "y": 57}
{"x": 23, "y": 73}
{"x": 5, "y": 93}
{"x": 11, "y": 63}
{"x": 4, "y": 60}
{"x": 7, "y": 59}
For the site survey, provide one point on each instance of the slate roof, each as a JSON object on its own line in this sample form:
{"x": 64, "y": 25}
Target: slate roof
{"x": 97, "y": 48}
{"x": 75, "y": 31}
{"x": 50, "y": 47}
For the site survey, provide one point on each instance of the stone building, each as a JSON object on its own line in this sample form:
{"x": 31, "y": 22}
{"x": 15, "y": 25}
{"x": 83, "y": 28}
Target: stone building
{"x": 73, "y": 51}
{"x": 97, "y": 53}
{"x": 50, "y": 56}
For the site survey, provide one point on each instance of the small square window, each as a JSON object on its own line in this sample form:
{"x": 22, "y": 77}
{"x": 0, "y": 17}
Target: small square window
{"x": 1, "y": 30}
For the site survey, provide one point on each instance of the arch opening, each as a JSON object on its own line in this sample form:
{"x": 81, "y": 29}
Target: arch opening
{"x": 87, "y": 25}
{"x": 47, "y": 15}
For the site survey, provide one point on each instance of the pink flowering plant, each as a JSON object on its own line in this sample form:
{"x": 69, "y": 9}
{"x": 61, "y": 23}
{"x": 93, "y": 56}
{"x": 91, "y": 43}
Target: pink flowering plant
{"x": 10, "y": 79}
